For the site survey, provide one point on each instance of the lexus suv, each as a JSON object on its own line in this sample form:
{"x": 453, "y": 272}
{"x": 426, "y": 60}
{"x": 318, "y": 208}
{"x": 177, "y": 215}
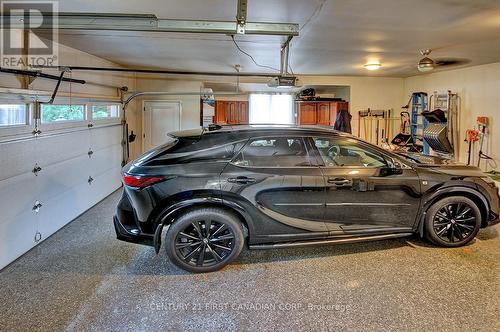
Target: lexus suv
{"x": 215, "y": 190}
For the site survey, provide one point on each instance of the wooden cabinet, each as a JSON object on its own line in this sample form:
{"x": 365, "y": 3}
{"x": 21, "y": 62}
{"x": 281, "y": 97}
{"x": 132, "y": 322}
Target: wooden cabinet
{"x": 307, "y": 114}
{"x": 319, "y": 112}
{"x": 231, "y": 112}
{"x": 220, "y": 112}
{"x": 243, "y": 112}
{"x": 323, "y": 110}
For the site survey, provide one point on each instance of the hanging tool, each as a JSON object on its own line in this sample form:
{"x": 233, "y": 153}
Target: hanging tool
{"x": 359, "y": 125}
{"x": 405, "y": 123}
{"x": 370, "y": 126}
{"x": 482, "y": 123}
{"x": 471, "y": 136}
{"x": 404, "y": 138}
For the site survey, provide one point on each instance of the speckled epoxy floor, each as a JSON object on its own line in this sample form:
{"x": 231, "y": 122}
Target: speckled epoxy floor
{"x": 83, "y": 279}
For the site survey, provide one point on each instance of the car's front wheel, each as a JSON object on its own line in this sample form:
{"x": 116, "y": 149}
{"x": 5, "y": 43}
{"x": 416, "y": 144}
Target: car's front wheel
{"x": 204, "y": 239}
{"x": 452, "y": 221}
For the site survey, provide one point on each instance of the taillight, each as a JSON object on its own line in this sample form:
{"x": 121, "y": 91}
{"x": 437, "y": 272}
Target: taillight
{"x": 138, "y": 181}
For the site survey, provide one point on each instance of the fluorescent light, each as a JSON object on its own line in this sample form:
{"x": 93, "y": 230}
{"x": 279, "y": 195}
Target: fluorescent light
{"x": 373, "y": 66}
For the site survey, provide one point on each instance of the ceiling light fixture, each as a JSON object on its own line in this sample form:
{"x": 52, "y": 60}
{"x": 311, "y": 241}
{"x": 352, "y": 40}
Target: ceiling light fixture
{"x": 372, "y": 66}
{"x": 425, "y": 64}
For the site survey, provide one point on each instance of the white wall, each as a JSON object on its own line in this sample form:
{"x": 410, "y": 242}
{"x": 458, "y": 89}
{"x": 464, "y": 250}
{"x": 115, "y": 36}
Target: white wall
{"x": 478, "y": 88}
{"x": 98, "y": 83}
{"x": 190, "y": 103}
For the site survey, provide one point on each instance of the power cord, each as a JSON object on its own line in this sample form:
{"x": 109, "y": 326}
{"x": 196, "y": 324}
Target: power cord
{"x": 316, "y": 12}
{"x": 251, "y": 57}
{"x": 289, "y": 59}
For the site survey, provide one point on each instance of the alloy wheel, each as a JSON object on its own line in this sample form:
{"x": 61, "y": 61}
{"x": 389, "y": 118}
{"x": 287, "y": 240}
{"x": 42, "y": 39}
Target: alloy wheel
{"x": 204, "y": 243}
{"x": 454, "y": 222}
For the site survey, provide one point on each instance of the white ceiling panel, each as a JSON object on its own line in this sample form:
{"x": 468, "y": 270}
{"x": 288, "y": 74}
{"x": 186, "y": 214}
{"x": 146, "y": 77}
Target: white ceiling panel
{"x": 336, "y": 37}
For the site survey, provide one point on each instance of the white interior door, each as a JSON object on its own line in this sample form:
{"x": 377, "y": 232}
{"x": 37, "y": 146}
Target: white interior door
{"x": 160, "y": 118}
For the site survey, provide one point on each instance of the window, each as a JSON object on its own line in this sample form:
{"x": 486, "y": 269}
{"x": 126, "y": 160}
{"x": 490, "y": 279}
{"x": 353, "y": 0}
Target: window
{"x": 274, "y": 152}
{"x": 57, "y": 113}
{"x": 13, "y": 115}
{"x": 271, "y": 109}
{"x": 105, "y": 111}
{"x": 347, "y": 152}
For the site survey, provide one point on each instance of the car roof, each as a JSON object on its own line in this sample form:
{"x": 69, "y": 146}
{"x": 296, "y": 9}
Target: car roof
{"x": 251, "y": 129}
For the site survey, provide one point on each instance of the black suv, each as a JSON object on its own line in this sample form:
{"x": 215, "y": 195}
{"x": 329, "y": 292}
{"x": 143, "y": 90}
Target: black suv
{"x": 280, "y": 186}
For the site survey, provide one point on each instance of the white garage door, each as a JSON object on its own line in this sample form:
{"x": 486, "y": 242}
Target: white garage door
{"x": 48, "y": 180}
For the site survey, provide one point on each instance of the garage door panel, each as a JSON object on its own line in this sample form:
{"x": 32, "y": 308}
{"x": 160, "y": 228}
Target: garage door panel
{"x": 104, "y": 159}
{"x": 61, "y": 177}
{"x": 61, "y": 186}
{"x": 17, "y": 158}
{"x": 63, "y": 208}
{"x": 17, "y": 195}
{"x": 106, "y": 183}
{"x": 106, "y": 136}
{"x": 58, "y": 148}
{"x": 17, "y": 235}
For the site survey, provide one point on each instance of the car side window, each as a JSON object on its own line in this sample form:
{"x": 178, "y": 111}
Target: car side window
{"x": 339, "y": 152}
{"x": 274, "y": 152}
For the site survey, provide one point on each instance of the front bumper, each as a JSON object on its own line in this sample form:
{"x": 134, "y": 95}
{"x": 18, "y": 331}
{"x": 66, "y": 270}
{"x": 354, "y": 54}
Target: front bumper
{"x": 133, "y": 235}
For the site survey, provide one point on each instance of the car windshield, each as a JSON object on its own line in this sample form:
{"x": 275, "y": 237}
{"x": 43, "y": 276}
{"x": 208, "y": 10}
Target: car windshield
{"x": 413, "y": 159}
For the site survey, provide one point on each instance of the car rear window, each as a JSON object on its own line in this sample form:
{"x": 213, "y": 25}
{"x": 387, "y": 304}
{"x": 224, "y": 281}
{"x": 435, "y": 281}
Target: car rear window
{"x": 218, "y": 153}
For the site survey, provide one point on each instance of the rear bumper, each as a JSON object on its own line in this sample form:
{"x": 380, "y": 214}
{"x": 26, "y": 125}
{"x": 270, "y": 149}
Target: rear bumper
{"x": 133, "y": 235}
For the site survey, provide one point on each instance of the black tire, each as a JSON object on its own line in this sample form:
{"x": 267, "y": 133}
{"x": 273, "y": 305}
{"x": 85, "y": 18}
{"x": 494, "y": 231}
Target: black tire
{"x": 452, "y": 221}
{"x": 191, "y": 248}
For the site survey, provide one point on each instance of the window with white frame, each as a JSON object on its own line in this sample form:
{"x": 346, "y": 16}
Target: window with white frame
{"x": 271, "y": 109}
{"x": 53, "y": 113}
{"x": 105, "y": 111}
{"x": 13, "y": 115}
{"x": 16, "y": 118}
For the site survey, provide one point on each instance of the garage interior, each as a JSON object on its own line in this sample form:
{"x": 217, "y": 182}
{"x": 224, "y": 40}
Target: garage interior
{"x": 129, "y": 72}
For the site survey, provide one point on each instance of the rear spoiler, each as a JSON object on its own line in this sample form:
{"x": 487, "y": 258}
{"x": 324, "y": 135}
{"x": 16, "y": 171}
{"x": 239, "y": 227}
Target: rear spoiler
{"x": 189, "y": 134}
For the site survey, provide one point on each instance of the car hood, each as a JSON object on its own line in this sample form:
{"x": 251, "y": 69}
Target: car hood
{"x": 442, "y": 165}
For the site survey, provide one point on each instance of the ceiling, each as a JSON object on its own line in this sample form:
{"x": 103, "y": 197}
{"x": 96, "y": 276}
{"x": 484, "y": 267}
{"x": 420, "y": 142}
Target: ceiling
{"x": 336, "y": 38}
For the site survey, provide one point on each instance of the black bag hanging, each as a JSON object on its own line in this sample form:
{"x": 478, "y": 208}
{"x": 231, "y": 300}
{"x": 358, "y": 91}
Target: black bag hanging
{"x": 343, "y": 121}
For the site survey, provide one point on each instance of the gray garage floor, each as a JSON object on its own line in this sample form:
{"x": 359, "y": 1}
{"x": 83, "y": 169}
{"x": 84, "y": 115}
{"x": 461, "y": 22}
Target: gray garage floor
{"x": 83, "y": 279}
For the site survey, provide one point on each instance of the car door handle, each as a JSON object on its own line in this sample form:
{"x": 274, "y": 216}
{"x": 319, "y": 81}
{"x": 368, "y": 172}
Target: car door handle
{"x": 338, "y": 181}
{"x": 241, "y": 180}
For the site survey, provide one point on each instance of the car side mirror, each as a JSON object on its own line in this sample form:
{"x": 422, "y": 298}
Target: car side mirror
{"x": 393, "y": 168}
{"x": 386, "y": 171}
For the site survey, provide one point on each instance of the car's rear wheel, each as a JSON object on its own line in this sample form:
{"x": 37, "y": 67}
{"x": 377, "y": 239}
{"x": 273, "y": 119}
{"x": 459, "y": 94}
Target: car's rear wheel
{"x": 452, "y": 221}
{"x": 204, "y": 240}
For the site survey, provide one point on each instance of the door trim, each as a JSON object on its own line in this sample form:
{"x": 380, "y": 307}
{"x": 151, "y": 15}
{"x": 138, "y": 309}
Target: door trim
{"x": 143, "y": 111}
{"x": 352, "y": 239}
{"x": 367, "y": 204}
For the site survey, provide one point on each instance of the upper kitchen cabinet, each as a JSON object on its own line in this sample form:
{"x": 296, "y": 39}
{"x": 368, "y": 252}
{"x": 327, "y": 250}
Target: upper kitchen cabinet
{"x": 231, "y": 112}
{"x": 319, "y": 112}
